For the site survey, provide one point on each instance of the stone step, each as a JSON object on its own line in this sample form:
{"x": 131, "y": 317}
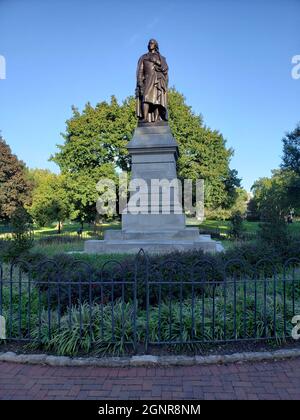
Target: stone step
{"x": 151, "y": 247}
{"x": 153, "y": 235}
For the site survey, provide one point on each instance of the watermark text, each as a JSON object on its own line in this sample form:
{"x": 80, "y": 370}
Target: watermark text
{"x": 151, "y": 196}
{"x": 296, "y": 329}
{"x": 296, "y": 68}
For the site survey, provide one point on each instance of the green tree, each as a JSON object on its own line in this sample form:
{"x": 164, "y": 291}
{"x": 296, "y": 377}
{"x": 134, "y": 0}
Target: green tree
{"x": 291, "y": 151}
{"x": 273, "y": 230}
{"x": 97, "y": 136}
{"x": 15, "y": 188}
{"x": 50, "y": 202}
{"x": 252, "y": 210}
{"x": 82, "y": 191}
{"x": 226, "y": 213}
{"x": 94, "y": 146}
{"x": 237, "y": 228}
{"x": 240, "y": 203}
{"x": 273, "y": 205}
{"x": 275, "y": 197}
{"x": 291, "y": 166}
{"x": 273, "y": 192}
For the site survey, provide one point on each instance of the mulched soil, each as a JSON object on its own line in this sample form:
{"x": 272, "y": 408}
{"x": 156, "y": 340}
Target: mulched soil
{"x": 205, "y": 350}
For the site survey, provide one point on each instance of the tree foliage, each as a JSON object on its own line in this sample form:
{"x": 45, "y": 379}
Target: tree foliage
{"x": 15, "y": 188}
{"x": 272, "y": 192}
{"x": 282, "y": 190}
{"x": 291, "y": 166}
{"x": 237, "y": 228}
{"x": 291, "y": 151}
{"x": 226, "y": 213}
{"x": 97, "y": 136}
{"x": 50, "y": 202}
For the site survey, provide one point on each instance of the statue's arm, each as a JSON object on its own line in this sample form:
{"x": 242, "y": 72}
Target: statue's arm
{"x": 164, "y": 66}
{"x": 140, "y": 73}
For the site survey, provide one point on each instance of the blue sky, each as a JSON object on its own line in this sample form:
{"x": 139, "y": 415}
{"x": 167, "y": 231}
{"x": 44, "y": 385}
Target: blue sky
{"x": 230, "y": 58}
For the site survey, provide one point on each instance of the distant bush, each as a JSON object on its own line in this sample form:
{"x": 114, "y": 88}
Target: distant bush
{"x": 274, "y": 232}
{"x": 237, "y": 228}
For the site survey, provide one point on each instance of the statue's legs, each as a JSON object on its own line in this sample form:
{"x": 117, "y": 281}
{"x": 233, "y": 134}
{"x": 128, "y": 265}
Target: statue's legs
{"x": 162, "y": 113}
{"x": 145, "y": 111}
{"x": 153, "y": 113}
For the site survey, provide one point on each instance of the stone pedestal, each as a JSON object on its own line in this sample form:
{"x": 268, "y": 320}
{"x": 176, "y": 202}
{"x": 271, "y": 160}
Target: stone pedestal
{"x": 159, "y": 224}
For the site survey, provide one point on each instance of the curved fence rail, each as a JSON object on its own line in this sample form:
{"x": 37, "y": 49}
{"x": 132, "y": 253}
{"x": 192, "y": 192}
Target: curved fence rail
{"x": 145, "y": 304}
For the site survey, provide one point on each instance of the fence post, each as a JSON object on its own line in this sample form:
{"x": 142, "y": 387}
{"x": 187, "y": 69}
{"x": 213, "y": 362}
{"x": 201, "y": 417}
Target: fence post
{"x": 135, "y": 305}
{"x": 141, "y": 255}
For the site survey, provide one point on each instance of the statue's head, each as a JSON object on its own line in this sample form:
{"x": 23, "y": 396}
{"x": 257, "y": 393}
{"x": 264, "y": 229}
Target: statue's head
{"x": 153, "y": 45}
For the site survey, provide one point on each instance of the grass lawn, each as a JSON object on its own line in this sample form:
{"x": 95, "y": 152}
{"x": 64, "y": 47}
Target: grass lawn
{"x": 57, "y": 248}
{"x": 71, "y": 228}
{"x": 224, "y": 226}
{"x": 68, "y": 229}
{"x": 250, "y": 227}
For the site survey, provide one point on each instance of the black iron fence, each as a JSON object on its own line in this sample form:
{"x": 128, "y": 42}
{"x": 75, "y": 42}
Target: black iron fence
{"x": 145, "y": 304}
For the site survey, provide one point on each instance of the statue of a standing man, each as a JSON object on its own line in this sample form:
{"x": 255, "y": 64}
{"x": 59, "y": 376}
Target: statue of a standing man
{"x": 152, "y": 85}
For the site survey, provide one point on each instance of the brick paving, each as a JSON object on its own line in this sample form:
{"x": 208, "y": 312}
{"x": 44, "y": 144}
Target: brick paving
{"x": 262, "y": 380}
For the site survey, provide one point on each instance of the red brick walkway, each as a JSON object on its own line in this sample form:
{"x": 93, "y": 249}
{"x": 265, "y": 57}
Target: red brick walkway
{"x": 263, "y": 380}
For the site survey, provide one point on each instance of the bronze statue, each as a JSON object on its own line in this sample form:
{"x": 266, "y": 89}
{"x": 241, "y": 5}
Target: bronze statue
{"x": 152, "y": 85}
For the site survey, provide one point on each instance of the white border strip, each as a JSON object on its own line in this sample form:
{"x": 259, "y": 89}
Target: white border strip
{"x": 148, "y": 360}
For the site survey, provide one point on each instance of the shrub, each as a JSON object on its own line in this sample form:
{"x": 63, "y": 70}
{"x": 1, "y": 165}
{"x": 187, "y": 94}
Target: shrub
{"x": 84, "y": 329}
{"x": 273, "y": 230}
{"x": 22, "y": 240}
{"x": 237, "y": 228}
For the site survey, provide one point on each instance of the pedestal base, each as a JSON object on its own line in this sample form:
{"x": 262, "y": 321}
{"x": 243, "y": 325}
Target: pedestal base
{"x": 162, "y": 247}
{"x": 156, "y": 242}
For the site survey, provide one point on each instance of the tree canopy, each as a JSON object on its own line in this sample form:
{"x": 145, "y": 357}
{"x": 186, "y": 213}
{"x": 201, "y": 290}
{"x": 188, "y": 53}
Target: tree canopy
{"x": 281, "y": 192}
{"x": 15, "y": 188}
{"x": 50, "y": 202}
{"x": 291, "y": 151}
